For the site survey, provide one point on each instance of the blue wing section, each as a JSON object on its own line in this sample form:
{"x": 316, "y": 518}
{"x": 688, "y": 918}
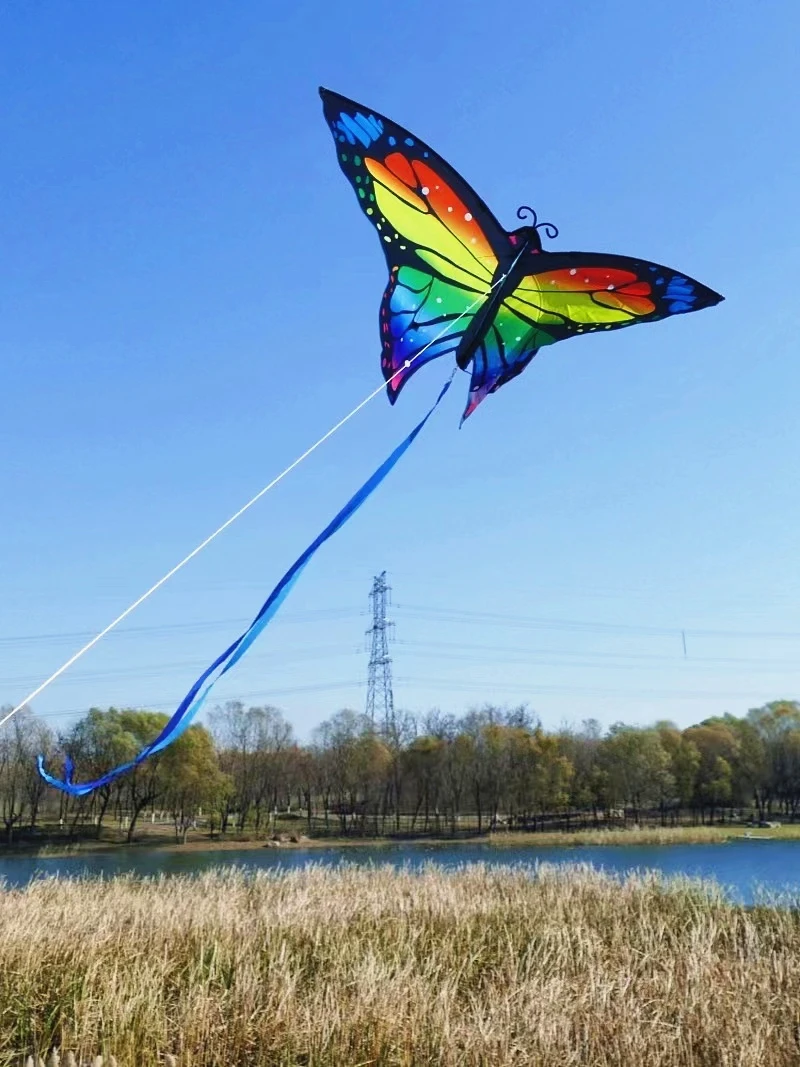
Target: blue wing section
{"x": 357, "y": 128}
{"x": 683, "y": 294}
{"x": 421, "y": 318}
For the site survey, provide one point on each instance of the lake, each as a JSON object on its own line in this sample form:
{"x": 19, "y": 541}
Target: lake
{"x": 743, "y": 868}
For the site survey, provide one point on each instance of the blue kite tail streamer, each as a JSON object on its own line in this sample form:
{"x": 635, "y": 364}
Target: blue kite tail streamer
{"x": 197, "y": 695}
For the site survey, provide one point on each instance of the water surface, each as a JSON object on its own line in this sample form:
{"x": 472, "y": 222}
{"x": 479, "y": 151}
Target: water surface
{"x": 744, "y": 868}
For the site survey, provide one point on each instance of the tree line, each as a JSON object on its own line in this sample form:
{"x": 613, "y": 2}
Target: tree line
{"x": 439, "y": 773}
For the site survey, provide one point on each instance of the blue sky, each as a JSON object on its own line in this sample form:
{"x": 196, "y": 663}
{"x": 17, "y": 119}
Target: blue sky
{"x": 189, "y": 299}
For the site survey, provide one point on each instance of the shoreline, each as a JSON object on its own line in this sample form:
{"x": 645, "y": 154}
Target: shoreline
{"x": 656, "y": 836}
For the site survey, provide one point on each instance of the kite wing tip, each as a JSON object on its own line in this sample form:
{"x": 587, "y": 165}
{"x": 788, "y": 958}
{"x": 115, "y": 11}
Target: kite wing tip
{"x": 709, "y": 297}
{"x": 328, "y": 94}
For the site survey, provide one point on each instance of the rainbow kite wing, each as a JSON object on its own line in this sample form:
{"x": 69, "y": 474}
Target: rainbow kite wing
{"x": 438, "y": 236}
{"x": 575, "y": 293}
{"x": 579, "y": 292}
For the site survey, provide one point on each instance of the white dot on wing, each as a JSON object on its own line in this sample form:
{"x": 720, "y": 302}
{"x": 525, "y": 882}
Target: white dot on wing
{"x": 468, "y": 216}
{"x": 425, "y": 190}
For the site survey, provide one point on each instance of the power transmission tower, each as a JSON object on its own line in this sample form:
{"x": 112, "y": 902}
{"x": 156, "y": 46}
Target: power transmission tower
{"x": 380, "y": 699}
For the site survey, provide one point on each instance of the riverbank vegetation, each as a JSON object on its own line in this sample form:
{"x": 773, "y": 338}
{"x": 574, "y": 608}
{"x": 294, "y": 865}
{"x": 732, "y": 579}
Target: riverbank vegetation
{"x": 492, "y": 771}
{"x": 376, "y": 966}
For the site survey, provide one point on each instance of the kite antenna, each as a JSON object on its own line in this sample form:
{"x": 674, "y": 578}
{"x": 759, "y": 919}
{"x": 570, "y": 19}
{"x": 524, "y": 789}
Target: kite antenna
{"x": 550, "y": 229}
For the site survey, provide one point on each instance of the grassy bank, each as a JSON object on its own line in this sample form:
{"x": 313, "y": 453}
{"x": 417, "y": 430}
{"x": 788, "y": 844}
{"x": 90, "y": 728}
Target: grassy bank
{"x": 655, "y": 835}
{"x": 344, "y": 967}
{"x": 163, "y": 838}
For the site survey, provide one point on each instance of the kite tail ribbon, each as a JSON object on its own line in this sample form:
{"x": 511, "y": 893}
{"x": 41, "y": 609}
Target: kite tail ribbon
{"x": 197, "y": 695}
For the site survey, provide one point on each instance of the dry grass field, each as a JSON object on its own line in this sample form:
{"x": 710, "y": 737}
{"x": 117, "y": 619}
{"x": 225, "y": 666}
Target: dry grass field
{"x": 349, "y": 967}
{"x": 645, "y": 835}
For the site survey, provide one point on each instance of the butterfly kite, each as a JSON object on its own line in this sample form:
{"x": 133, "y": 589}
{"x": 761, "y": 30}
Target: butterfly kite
{"x": 459, "y": 285}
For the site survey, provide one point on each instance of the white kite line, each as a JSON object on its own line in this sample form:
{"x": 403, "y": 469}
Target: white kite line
{"x": 228, "y": 522}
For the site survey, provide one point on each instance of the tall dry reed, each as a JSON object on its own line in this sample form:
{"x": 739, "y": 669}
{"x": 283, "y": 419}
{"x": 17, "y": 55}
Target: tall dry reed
{"x": 373, "y": 966}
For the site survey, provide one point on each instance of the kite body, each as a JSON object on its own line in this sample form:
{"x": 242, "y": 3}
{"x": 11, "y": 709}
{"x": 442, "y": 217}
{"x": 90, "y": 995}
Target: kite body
{"x": 462, "y": 285}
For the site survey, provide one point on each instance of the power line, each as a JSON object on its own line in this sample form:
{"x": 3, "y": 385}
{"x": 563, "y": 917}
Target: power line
{"x": 322, "y": 614}
{"x": 323, "y": 652}
{"x": 588, "y": 657}
{"x": 581, "y": 626}
{"x": 487, "y": 691}
{"x": 621, "y": 661}
{"x": 261, "y": 694}
{"x": 523, "y": 690}
{"x": 427, "y": 614}
{"x": 453, "y": 652}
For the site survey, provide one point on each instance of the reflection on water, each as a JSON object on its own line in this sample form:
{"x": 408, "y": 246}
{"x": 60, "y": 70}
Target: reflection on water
{"x": 741, "y": 866}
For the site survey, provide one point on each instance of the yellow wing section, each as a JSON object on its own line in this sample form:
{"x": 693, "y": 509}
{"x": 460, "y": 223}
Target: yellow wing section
{"x": 590, "y": 298}
{"x": 420, "y": 210}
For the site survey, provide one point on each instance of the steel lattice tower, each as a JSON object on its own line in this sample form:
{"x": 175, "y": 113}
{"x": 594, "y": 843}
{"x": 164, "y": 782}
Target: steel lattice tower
{"x": 380, "y": 699}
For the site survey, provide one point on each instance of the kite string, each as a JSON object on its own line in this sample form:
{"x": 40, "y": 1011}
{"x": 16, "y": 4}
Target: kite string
{"x": 253, "y": 500}
{"x": 198, "y": 693}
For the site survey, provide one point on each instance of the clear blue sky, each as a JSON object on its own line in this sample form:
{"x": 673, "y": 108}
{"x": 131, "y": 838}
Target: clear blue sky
{"x": 189, "y": 298}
